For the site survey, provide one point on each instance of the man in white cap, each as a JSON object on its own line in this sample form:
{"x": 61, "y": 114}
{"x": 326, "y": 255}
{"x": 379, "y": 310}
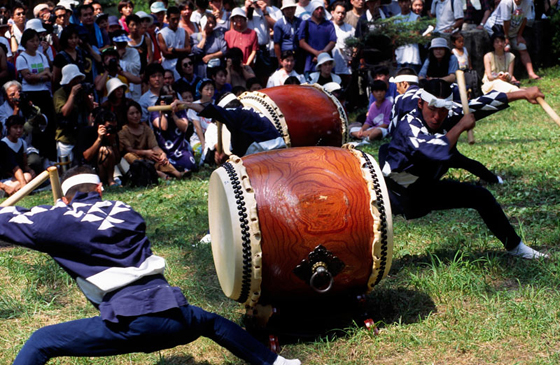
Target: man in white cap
{"x": 316, "y": 35}
{"x": 40, "y": 10}
{"x": 286, "y": 29}
{"x": 173, "y": 41}
{"x": 421, "y": 152}
{"x": 158, "y": 9}
{"x": 72, "y": 104}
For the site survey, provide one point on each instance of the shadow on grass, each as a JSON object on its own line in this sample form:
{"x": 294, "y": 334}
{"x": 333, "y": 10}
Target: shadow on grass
{"x": 179, "y": 360}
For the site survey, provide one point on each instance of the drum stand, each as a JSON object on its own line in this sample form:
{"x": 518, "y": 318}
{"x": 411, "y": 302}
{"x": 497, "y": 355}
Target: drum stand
{"x": 308, "y": 319}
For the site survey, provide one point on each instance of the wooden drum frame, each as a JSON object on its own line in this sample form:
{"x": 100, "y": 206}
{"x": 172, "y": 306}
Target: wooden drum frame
{"x": 301, "y": 222}
{"x": 304, "y": 115}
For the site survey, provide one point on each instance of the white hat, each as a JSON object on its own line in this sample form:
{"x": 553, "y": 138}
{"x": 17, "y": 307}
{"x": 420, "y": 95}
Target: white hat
{"x": 315, "y": 4}
{"x": 238, "y": 12}
{"x": 288, "y": 4}
{"x": 68, "y": 4}
{"x": 37, "y": 9}
{"x": 439, "y": 43}
{"x": 322, "y": 58}
{"x": 69, "y": 73}
{"x": 332, "y": 86}
{"x": 157, "y": 7}
{"x": 36, "y": 25}
{"x": 113, "y": 84}
{"x": 143, "y": 15}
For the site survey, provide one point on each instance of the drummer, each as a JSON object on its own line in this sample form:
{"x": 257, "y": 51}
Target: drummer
{"x": 124, "y": 280}
{"x": 251, "y": 131}
{"x": 419, "y": 154}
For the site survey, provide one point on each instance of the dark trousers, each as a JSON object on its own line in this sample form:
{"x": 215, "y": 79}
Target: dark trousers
{"x": 95, "y": 337}
{"x": 460, "y": 161}
{"x": 420, "y": 199}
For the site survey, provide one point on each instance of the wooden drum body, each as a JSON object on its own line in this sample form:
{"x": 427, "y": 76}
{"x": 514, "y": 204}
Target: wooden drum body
{"x": 282, "y": 221}
{"x": 305, "y": 115}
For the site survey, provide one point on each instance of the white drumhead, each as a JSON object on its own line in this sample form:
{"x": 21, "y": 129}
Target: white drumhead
{"x": 225, "y": 233}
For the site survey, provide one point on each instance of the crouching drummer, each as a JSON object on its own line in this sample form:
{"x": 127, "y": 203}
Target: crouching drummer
{"x": 251, "y": 131}
{"x": 124, "y": 280}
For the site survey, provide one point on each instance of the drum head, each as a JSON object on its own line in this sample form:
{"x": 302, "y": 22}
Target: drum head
{"x": 225, "y": 233}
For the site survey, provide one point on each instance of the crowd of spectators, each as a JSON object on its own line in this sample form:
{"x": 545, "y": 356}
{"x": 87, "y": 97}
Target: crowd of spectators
{"x": 78, "y": 82}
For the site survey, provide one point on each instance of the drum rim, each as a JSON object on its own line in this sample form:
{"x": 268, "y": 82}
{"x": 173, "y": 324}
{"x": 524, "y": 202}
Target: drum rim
{"x": 380, "y": 208}
{"x": 341, "y": 111}
{"x": 251, "y": 279}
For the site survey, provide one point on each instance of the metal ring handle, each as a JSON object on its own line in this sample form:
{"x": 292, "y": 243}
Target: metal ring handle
{"x": 320, "y": 273}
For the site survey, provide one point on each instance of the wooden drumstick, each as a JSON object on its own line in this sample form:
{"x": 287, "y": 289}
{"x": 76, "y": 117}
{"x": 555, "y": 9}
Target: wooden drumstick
{"x": 23, "y": 192}
{"x": 165, "y": 108}
{"x": 220, "y": 146}
{"x": 464, "y": 100}
{"x": 548, "y": 110}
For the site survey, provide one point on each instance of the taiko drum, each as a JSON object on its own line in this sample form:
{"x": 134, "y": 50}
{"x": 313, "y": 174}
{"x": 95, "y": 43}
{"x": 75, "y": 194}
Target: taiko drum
{"x": 300, "y": 222}
{"x": 305, "y": 115}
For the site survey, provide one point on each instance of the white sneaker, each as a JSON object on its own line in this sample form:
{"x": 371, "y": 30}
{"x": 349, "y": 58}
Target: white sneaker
{"x": 527, "y": 252}
{"x": 282, "y": 361}
{"x": 206, "y": 239}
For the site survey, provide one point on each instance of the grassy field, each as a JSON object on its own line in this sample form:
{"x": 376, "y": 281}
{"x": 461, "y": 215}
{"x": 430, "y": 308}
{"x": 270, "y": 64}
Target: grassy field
{"x": 453, "y": 295}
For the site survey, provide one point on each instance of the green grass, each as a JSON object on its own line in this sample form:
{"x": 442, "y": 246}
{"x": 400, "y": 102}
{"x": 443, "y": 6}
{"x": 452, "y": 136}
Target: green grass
{"x": 453, "y": 295}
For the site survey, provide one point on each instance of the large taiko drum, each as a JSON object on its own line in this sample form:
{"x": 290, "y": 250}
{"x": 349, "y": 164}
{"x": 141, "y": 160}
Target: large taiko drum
{"x": 300, "y": 222}
{"x": 304, "y": 115}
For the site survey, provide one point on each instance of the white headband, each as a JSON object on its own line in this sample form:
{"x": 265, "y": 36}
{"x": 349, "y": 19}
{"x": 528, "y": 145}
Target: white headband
{"x": 226, "y": 100}
{"x": 438, "y": 103}
{"x": 79, "y": 179}
{"x": 407, "y": 78}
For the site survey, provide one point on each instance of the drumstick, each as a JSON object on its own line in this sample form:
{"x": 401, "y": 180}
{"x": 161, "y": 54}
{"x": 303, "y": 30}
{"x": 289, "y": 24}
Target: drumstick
{"x": 165, "y": 108}
{"x": 464, "y": 100}
{"x": 219, "y": 146}
{"x": 29, "y": 187}
{"x": 548, "y": 110}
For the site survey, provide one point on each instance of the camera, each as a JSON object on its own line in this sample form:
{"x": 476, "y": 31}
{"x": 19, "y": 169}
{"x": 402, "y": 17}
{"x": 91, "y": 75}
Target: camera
{"x": 113, "y": 65}
{"x": 110, "y": 129}
{"x": 88, "y": 88}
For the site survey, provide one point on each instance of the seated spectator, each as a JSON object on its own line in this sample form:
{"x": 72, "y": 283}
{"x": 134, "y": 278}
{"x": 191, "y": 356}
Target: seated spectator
{"x": 237, "y": 72}
{"x": 324, "y": 71}
{"x": 168, "y": 78}
{"x": 292, "y": 80}
{"x": 33, "y": 68}
{"x": 378, "y": 116}
{"x": 287, "y": 61}
{"x": 154, "y": 78}
{"x": 197, "y": 141}
{"x": 460, "y": 51}
{"x": 139, "y": 40}
{"x": 498, "y": 68}
{"x": 382, "y": 73}
{"x": 171, "y": 133}
{"x": 137, "y": 141}
{"x": 441, "y": 63}
{"x": 188, "y": 80}
{"x": 116, "y": 100}
{"x": 16, "y": 172}
{"x": 219, "y": 76}
{"x": 208, "y": 46}
{"x": 238, "y": 90}
{"x": 254, "y": 84}
{"x": 449, "y": 15}
{"x": 73, "y": 103}
{"x": 98, "y": 146}
{"x": 240, "y": 36}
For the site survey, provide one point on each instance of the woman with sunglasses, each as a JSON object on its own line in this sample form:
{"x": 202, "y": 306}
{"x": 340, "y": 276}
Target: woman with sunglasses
{"x": 188, "y": 80}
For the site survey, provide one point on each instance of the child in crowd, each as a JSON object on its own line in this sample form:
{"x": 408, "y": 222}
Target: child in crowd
{"x": 219, "y": 76}
{"x": 206, "y": 90}
{"x": 378, "y": 116}
{"x": 288, "y": 62}
{"x": 460, "y": 51}
{"x": 14, "y": 164}
{"x": 125, "y": 8}
{"x": 254, "y": 84}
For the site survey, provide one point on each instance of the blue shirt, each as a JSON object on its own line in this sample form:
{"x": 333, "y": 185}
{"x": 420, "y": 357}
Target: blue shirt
{"x": 286, "y": 33}
{"x": 317, "y": 37}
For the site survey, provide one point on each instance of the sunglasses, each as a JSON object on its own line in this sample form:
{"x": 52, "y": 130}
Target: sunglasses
{"x": 187, "y": 64}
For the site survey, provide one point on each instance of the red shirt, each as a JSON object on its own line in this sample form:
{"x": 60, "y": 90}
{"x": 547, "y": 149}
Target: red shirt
{"x": 246, "y": 41}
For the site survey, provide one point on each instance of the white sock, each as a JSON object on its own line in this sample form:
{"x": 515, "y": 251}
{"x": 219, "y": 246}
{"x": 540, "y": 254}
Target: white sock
{"x": 500, "y": 180}
{"x": 526, "y": 252}
{"x": 282, "y": 361}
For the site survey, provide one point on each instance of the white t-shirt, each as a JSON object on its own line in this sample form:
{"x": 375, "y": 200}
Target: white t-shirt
{"x": 204, "y": 123}
{"x": 35, "y": 64}
{"x": 175, "y": 39}
{"x": 445, "y": 17}
{"x": 279, "y": 77}
{"x": 341, "y": 52}
{"x": 409, "y": 53}
{"x": 304, "y": 12}
{"x": 508, "y": 11}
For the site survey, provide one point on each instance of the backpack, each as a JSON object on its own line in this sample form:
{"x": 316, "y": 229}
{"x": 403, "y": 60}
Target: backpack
{"x": 142, "y": 173}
